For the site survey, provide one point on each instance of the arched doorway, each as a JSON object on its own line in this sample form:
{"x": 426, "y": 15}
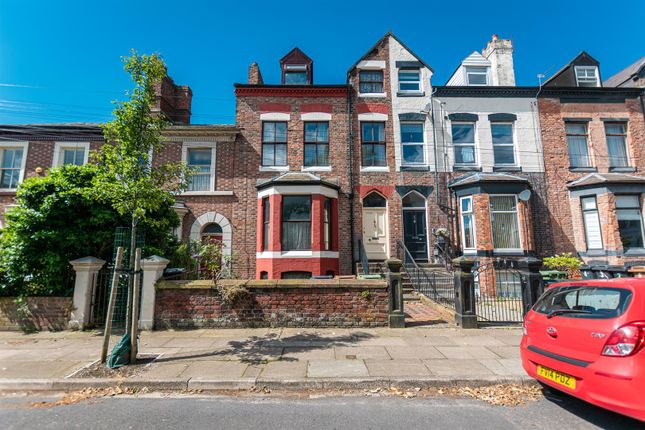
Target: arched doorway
{"x": 217, "y": 225}
{"x": 211, "y": 232}
{"x": 415, "y": 228}
{"x": 375, "y": 237}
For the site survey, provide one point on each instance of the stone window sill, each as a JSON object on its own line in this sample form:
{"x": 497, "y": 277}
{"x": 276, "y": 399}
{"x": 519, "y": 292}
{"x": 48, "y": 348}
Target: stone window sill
{"x": 316, "y": 169}
{"x": 411, "y": 94}
{"x": 507, "y": 169}
{"x": 375, "y": 169}
{"x": 467, "y": 168}
{"x": 582, "y": 169}
{"x": 627, "y": 169}
{"x": 635, "y": 252}
{"x": 207, "y": 193}
{"x": 372, "y": 95}
{"x": 413, "y": 168}
{"x": 274, "y": 168}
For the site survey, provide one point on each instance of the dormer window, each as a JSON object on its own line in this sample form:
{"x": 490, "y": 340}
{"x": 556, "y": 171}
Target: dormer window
{"x": 295, "y": 74}
{"x": 477, "y": 75}
{"x": 587, "y": 76}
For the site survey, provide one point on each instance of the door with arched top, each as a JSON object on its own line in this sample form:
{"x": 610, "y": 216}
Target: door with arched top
{"x": 375, "y": 226}
{"x": 415, "y": 231}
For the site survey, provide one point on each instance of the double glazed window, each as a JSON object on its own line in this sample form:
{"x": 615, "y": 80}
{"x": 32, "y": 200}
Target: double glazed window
{"x": 410, "y": 80}
{"x": 504, "y": 222}
{"x": 370, "y": 81}
{"x": 295, "y": 74}
{"x": 266, "y": 223}
{"x": 587, "y": 76}
{"x": 577, "y": 144}
{"x": 467, "y": 223}
{"x": 316, "y": 144}
{"x": 296, "y": 223}
{"x": 630, "y": 221}
{"x": 463, "y": 140}
{"x": 591, "y": 222}
{"x": 10, "y": 167}
{"x": 327, "y": 225}
{"x": 477, "y": 75}
{"x": 503, "y": 148}
{"x": 617, "y": 144}
{"x": 274, "y": 143}
{"x": 200, "y": 161}
{"x": 412, "y": 142}
{"x": 373, "y": 144}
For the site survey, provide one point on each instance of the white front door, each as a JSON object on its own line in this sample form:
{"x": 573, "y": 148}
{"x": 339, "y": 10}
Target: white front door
{"x": 375, "y": 233}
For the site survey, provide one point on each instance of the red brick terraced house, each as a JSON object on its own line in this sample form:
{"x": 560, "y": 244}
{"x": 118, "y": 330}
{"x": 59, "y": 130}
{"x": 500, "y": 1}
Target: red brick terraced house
{"x": 594, "y": 151}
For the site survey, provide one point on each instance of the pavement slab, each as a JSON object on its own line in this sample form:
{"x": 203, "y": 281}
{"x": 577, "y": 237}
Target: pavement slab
{"x": 213, "y": 370}
{"x": 361, "y": 352}
{"x": 397, "y": 368}
{"x": 414, "y": 352}
{"x": 336, "y": 369}
{"x": 457, "y": 368}
{"x": 284, "y": 370}
{"x": 460, "y": 352}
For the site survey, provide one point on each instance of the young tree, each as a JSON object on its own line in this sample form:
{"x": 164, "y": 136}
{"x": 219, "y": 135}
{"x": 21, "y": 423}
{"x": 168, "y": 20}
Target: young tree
{"x": 125, "y": 176}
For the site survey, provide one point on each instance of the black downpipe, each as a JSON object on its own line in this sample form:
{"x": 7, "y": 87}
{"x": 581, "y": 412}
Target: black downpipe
{"x": 350, "y": 171}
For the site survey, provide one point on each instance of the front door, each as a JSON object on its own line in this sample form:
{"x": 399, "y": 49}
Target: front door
{"x": 415, "y": 233}
{"x": 375, "y": 233}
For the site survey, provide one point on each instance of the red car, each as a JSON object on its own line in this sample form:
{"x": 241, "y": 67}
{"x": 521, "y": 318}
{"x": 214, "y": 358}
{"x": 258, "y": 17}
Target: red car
{"x": 586, "y": 338}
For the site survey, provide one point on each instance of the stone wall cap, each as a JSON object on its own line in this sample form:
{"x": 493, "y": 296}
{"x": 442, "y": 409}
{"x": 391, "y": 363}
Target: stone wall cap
{"x": 275, "y": 284}
{"x": 155, "y": 259}
{"x": 87, "y": 261}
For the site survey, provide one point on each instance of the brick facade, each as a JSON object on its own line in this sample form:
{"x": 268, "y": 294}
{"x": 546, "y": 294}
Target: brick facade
{"x": 42, "y": 313}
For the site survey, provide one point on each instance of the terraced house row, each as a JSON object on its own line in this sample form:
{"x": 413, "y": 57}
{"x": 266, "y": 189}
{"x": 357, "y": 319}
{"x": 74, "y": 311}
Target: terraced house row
{"x": 314, "y": 178}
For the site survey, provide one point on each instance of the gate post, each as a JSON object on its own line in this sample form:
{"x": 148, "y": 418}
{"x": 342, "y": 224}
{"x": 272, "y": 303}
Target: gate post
{"x": 153, "y": 268}
{"x": 465, "y": 311}
{"x": 86, "y": 269}
{"x": 532, "y": 285}
{"x": 396, "y": 317}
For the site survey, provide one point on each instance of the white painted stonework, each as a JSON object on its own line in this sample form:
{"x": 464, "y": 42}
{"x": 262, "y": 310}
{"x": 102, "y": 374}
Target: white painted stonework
{"x": 209, "y": 218}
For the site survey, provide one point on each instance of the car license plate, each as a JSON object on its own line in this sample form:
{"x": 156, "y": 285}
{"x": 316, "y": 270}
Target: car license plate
{"x": 557, "y": 377}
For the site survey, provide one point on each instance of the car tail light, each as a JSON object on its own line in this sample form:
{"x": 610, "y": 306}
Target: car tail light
{"x": 626, "y": 340}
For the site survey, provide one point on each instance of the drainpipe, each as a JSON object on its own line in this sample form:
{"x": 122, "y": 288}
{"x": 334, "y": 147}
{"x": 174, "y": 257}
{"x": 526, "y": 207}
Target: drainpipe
{"x": 350, "y": 171}
{"x": 434, "y": 144}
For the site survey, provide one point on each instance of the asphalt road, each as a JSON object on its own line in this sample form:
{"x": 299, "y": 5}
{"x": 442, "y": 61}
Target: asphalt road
{"x": 187, "y": 412}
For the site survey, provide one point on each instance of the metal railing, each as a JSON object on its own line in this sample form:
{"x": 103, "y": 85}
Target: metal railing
{"x": 435, "y": 285}
{"x": 362, "y": 254}
{"x": 498, "y": 292}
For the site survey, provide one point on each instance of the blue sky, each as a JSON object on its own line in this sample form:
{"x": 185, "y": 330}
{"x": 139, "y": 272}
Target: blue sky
{"x": 59, "y": 60}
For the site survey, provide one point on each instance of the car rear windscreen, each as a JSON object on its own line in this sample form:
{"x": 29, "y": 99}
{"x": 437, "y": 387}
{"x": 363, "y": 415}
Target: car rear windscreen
{"x": 584, "y": 302}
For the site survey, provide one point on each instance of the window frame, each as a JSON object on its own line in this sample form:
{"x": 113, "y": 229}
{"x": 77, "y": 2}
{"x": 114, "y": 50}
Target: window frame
{"x": 25, "y": 149}
{"x": 275, "y": 144}
{"x": 60, "y": 146}
{"x": 474, "y": 70}
{"x": 373, "y": 144}
{"x": 266, "y": 223}
{"x": 371, "y": 82}
{"x": 473, "y": 144}
{"x": 310, "y": 222}
{"x": 422, "y": 143}
{"x": 623, "y": 124}
{"x": 497, "y": 145}
{"x": 584, "y": 222}
{"x": 316, "y": 144}
{"x": 640, "y": 212}
{"x": 186, "y": 146}
{"x": 462, "y": 227}
{"x": 586, "y": 69}
{"x": 517, "y": 219}
{"x": 327, "y": 225}
{"x": 418, "y": 81}
{"x": 586, "y": 136}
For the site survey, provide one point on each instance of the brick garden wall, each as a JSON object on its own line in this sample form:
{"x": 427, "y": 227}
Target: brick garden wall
{"x": 289, "y": 303}
{"x": 41, "y": 313}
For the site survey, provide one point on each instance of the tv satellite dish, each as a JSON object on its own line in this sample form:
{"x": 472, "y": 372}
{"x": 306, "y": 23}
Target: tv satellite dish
{"x": 525, "y": 195}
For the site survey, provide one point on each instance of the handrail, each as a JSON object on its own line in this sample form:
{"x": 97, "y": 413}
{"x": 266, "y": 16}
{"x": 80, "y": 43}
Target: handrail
{"x": 362, "y": 254}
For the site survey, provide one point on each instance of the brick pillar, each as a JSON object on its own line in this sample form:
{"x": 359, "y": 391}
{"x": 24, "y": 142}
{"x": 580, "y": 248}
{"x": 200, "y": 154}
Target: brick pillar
{"x": 317, "y": 207}
{"x": 86, "y": 268}
{"x": 275, "y": 244}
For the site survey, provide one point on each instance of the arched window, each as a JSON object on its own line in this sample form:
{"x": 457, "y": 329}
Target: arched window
{"x": 374, "y": 200}
{"x": 414, "y": 200}
{"x": 212, "y": 231}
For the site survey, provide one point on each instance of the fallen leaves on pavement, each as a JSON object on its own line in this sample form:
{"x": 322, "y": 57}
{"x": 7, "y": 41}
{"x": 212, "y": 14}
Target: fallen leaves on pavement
{"x": 88, "y": 393}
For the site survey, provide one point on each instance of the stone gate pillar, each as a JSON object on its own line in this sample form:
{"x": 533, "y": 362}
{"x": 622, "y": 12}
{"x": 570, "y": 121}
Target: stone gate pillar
{"x": 87, "y": 269}
{"x": 153, "y": 268}
{"x": 465, "y": 309}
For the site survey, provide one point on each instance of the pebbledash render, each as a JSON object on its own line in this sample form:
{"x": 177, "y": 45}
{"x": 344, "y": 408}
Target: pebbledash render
{"x": 314, "y": 178}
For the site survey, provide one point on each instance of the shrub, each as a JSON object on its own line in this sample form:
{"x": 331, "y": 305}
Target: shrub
{"x": 565, "y": 262}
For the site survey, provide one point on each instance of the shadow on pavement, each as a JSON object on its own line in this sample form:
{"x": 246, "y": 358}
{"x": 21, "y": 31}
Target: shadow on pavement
{"x": 596, "y": 415}
{"x": 258, "y": 348}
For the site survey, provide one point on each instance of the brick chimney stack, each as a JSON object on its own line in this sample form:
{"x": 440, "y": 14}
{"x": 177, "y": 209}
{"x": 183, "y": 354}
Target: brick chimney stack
{"x": 500, "y": 54}
{"x": 174, "y": 101}
{"x": 255, "y": 76}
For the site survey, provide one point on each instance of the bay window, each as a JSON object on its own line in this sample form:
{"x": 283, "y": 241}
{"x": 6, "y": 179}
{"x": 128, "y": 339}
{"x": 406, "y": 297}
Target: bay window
{"x": 412, "y": 142}
{"x": 463, "y": 141}
{"x": 274, "y": 143}
{"x": 373, "y": 144}
{"x": 296, "y": 223}
{"x": 316, "y": 144}
{"x": 327, "y": 225}
{"x": 467, "y": 223}
{"x": 630, "y": 221}
{"x": 266, "y": 223}
{"x": 504, "y": 222}
{"x": 591, "y": 222}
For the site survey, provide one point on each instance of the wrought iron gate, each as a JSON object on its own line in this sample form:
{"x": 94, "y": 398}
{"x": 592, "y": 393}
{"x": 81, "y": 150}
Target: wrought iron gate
{"x": 498, "y": 292}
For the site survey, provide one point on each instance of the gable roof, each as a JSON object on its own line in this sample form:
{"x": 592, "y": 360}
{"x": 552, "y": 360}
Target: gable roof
{"x": 475, "y": 59}
{"x": 296, "y": 53}
{"x": 581, "y": 55}
{"x": 626, "y": 74}
{"x": 378, "y": 42}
